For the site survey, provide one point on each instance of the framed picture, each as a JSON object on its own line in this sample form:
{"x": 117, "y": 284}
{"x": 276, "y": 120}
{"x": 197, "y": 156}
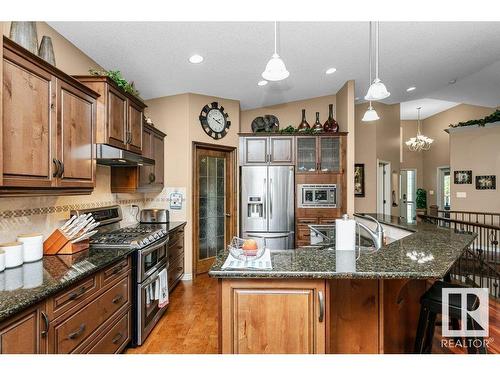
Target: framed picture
{"x": 359, "y": 180}
{"x": 463, "y": 177}
{"x": 486, "y": 182}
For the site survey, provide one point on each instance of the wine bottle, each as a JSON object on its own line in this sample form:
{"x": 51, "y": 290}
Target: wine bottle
{"x": 331, "y": 125}
{"x": 303, "y": 124}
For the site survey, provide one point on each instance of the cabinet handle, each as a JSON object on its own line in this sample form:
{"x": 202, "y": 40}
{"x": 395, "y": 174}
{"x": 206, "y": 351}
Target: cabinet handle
{"x": 62, "y": 169}
{"x": 321, "y": 306}
{"x": 117, "y": 299}
{"x": 76, "y": 295}
{"x": 56, "y": 171}
{"x": 117, "y": 338}
{"x": 78, "y": 332}
{"x": 117, "y": 270}
{"x": 47, "y": 324}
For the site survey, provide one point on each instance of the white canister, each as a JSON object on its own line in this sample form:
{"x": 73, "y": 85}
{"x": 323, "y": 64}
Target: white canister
{"x": 2, "y": 260}
{"x": 13, "y": 278}
{"x": 13, "y": 254}
{"x": 32, "y": 274}
{"x": 32, "y": 246}
{"x": 2, "y": 281}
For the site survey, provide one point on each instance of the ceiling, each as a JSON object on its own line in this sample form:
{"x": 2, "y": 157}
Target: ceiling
{"x": 428, "y": 106}
{"x": 423, "y": 54}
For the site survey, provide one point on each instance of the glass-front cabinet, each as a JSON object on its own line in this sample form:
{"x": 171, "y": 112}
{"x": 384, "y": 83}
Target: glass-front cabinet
{"x": 318, "y": 154}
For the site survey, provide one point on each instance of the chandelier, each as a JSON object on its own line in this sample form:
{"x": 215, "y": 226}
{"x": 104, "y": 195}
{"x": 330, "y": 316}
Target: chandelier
{"x": 420, "y": 142}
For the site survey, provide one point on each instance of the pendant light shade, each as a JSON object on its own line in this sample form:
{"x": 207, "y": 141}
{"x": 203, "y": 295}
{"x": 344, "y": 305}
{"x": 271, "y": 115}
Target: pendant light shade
{"x": 275, "y": 68}
{"x": 370, "y": 114}
{"x": 377, "y": 90}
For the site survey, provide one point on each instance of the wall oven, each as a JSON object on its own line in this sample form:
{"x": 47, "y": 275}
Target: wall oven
{"x": 318, "y": 196}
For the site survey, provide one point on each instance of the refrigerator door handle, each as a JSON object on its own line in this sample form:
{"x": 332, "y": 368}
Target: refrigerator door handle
{"x": 265, "y": 198}
{"x": 271, "y": 199}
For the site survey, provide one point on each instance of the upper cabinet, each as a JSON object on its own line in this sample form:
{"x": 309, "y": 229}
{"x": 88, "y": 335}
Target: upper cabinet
{"x": 256, "y": 150}
{"x": 319, "y": 154}
{"x": 47, "y": 127}
{"x": 119, "y": 114}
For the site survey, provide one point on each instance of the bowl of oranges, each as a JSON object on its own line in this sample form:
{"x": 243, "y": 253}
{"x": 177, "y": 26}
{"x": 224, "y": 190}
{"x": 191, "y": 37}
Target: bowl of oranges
{"x": 246, "y": 249}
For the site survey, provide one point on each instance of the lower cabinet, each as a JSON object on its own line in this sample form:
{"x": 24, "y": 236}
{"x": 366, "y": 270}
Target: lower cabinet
{"x": 175, "y": 257}
{"x": 91, "y": 316}
{"x": 272, "y": 316}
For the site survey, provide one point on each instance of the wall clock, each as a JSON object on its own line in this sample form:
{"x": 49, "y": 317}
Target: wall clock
{"x": 214, "y": 120}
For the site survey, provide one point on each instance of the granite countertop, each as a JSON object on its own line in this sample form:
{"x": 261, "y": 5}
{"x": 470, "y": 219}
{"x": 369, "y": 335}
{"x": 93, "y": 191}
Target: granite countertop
{"x": 31, "y": 283}
{"x": 439, "y": 247}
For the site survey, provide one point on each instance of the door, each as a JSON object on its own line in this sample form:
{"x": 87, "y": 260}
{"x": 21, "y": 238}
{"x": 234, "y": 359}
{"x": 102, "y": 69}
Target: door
{"x": 255, "y": 150}
{"x": 329, "y": 155}
{"x": 281, "y": 198}
{"x": 214, "y": 208}
{"x": 29, "y": 119}
{"x": 307, "y": 158}
{"x": 75, "y": 142}
{"x": 444, "y": 194}
{"x": 281, "y": 150}
{"x": 282, "y": 317}
{"x": 407, "y": 203}
{"x": 134, "y": 127}
{"x": 117, "y": 118}
{"x": 384, "y": 188}
{"x": 254, "y": 199}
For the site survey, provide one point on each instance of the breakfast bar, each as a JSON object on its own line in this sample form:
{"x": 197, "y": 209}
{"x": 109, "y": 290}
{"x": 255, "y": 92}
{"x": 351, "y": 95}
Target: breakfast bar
{"x": 323, "y": 300}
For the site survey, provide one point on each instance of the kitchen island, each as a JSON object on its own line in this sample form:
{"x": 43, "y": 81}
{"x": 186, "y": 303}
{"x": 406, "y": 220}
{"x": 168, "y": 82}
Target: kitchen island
{"x": 320, "y": 300}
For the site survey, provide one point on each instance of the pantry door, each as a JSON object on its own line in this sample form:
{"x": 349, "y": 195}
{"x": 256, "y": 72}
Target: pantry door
{"x": 214, "y": 203}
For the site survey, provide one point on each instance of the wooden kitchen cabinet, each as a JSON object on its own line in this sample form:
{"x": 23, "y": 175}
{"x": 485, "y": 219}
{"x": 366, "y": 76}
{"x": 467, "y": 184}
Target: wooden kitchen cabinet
{"x": 119, "y": 114}
{"x": 319, "y": 154}
{"x": 144, "y": 178}
{"x": 24, "y": 333}
{"x": 259, "y": 150}
{"x": 48, "y": 128}
{"x": 272, "y": 316}
{"x": 175, "y": 257}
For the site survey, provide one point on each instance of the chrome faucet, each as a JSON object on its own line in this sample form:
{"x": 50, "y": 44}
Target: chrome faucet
{"x": 377, "y": 235}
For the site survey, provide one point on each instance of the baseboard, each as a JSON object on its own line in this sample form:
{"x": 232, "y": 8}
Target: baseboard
{"x": 187, "y": 277}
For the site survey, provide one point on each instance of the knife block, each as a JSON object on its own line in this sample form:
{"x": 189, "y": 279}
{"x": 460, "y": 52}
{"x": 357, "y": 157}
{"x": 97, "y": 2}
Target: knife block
{"x": 58, "y": 244}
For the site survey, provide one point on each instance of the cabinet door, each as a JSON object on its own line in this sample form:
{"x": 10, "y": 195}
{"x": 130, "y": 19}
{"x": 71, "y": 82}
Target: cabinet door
{"x": 22, "y": 334}
{"x": 281, "y": 150}
{"x": 134, "y": 127}
{"x": 307, "y": 155}
{"x": 76, "y": 134}
{"x": 117, "y": 118}
{"x": 158, "y": 147}
{"x": 273, "y": 316}
{"x": 28, "y": 123}
{"x": 255, "y": 150}
{"x": 146, "y": 171}
{"x": 329, "y": 160}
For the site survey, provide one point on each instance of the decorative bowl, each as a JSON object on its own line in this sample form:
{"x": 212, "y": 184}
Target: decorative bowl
{"x": 236, "y": 249}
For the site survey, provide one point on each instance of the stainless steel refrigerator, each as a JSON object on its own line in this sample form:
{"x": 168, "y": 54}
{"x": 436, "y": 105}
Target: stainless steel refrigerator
{"x": 267, "y": 205}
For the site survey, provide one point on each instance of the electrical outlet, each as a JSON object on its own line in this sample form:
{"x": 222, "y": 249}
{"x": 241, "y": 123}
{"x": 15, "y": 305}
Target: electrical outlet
{"x": 461, "y": 194}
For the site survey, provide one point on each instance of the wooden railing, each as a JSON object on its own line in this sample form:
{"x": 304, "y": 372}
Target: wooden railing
{"x": 490, "y": 218}
{"x": 479, "y": 266}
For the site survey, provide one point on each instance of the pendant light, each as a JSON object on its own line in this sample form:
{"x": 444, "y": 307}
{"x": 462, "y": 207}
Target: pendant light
{"x": 420, "y": 142}
{"x": 370, "y": 114}
{"x": 275, "y": 68}
{"x": 377, "y": 90}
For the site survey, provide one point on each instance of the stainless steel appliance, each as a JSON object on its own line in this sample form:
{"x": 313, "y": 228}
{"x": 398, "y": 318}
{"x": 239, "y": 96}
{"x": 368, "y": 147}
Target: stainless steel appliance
{"x": 267, "y": 205}
{"x": 318, "y": 196}
{"x": 109, "y": 155}
{"x": 150, "y": 258}
{"x": 154, "y": 215}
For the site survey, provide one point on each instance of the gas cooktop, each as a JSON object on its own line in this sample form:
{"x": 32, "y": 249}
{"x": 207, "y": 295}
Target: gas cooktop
{"x": 137, "y": 236}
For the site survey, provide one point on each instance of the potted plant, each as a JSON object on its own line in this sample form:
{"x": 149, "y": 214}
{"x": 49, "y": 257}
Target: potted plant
{"x": 421, "y": 201}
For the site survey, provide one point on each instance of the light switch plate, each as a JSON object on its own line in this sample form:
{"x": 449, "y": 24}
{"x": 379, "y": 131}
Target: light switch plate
{"x": 431, "y": 192}
{"x": 461, "y": 194}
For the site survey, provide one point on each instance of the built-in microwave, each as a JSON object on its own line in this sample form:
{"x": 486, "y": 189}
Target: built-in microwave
{"x": 318, "y": 196}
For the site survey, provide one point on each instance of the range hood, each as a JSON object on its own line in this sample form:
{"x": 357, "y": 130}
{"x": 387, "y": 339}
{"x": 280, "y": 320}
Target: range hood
{"x": 113, "y": 156}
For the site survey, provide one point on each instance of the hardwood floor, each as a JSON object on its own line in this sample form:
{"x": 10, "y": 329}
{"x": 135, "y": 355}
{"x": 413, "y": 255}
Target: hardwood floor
{"x": 190, "y": 324}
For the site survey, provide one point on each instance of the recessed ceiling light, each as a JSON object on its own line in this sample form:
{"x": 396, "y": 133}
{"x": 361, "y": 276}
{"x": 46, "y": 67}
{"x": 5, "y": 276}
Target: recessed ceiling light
{"x": 411, "y": 88}
{"x": 452, "y": 81}
{"x": 331, "y": 70}
{"x": 196, "y": 59}
{"x": 262, "y": 83}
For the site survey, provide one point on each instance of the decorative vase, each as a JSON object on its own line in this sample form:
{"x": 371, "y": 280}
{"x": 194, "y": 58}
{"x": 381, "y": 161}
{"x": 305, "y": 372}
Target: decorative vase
{"x": 303, "y": 124}
{"x": 24, "y": 33}
{"x": 317, "y": 127}
{"x": 331, "y": 125}
{"x": 46, "y": 50}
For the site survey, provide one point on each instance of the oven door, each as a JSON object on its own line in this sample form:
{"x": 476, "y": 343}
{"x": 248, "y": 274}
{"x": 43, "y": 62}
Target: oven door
{"x": 150, "y": 257}
{"x": 148, "y": 312}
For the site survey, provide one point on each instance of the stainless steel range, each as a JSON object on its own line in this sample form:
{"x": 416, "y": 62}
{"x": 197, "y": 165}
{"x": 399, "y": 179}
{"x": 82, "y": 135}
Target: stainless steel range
{"x": 151, "y": 258}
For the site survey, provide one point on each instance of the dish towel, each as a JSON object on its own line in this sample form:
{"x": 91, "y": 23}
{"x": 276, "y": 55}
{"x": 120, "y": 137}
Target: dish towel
{"x": 163, "y": 289}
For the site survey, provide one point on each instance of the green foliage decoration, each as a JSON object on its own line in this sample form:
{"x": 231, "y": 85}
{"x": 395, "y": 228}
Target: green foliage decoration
{"x": 116, "y": 76}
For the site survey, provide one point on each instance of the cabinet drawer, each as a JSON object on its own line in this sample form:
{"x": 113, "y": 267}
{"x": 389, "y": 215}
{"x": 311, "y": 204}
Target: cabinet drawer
{"x": 174, "y": 237}
{"x": 303, "y": 234}
{"x": 115, "y": 271}
{"x": 115, "y": 339}
{"x": 327, "y": 221}
{"x": 175, "y": 249}
{"x": 175, "y": 272}
{"x": 303, "y": 243}
{"x": 64, "y": 301}
{"x": 307, "y": 220}
{"x": 70, "y": 333}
